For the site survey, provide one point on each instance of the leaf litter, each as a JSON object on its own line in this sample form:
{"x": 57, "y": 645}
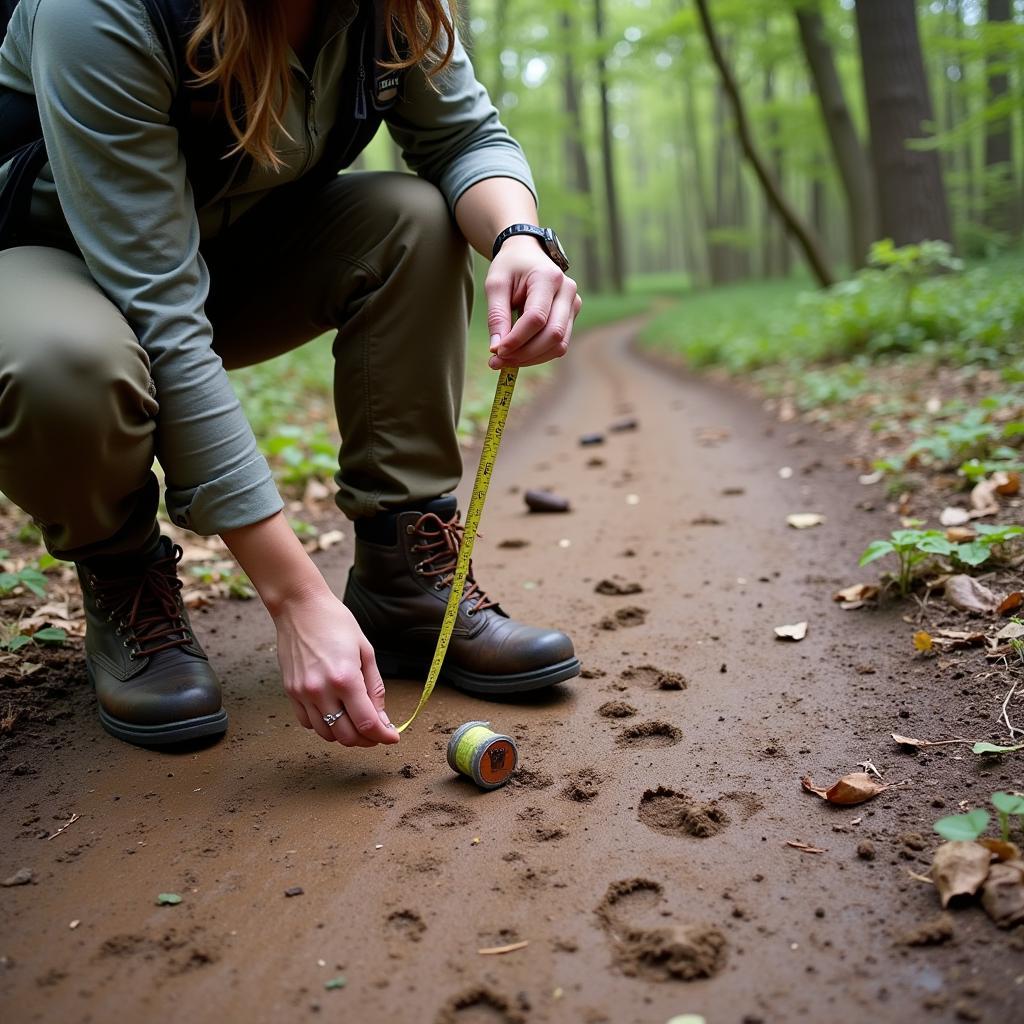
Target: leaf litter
{"x": 851, "y": 789}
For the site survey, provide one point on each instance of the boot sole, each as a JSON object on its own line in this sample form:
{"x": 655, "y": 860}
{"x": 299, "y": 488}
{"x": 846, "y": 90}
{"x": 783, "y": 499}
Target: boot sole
{"x": 165, "y": 734}
{"x": 404, "y": 667}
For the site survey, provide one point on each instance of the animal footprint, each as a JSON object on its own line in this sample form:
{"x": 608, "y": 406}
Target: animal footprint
{"x": 649, "y": 734}
{"x": 435, "y": 814}
{"x": 660, "y": 679}
{"x": 658, "y": 953}
{"x": 676, "y": 814}
{"x": 616, "y": 709}
{"x": 405, "y": 924}
{"x": 479, "y": 1004}
{"x": 583, "y": 785}
{"x": 631, "y": 615}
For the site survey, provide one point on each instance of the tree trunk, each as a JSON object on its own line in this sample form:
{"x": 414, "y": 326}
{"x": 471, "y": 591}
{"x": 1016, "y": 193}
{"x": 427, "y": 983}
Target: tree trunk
{"x": 909, "y": 190}
{"x": 617, "y": 254}
{"x": 576, "y": 160}
{"x": 850, "y": 158}
{"x": 699, "y": 187}
{"x": 794, "y": 224}
{"x": 1001, "y": 207}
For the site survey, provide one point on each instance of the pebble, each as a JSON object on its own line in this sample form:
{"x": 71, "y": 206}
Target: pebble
{"x": 586, "y": 440}
{"x": 545, "y": 501}
{"x": 23, "y": 876}
{"x": 294, "y": 890}
{"x": 866, "y": 850}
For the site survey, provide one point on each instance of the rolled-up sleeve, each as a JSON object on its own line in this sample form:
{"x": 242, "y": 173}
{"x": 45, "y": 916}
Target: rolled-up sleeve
{"x": 104, "y": 89}
{"x": 449, "y": 131}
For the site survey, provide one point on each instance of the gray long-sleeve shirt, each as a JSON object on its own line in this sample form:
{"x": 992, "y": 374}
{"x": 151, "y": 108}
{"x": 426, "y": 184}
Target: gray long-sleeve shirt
{"x": 116, "y": 182}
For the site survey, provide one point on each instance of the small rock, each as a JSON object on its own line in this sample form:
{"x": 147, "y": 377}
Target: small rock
{"x": 545, "y": 501}
{"x": 866, "y": 850}
{"x": 514, "y": 543}
{"x": 294, "y": 890}
{"x": 617, "y": 587}
{"x": 591, "y": 439}
{"x": 23, "y": 876}
{"x": 620, "y": 426}
{"x": 913, "y": 840}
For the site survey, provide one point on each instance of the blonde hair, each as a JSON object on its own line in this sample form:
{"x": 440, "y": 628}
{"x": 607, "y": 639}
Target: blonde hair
{"x": 249, "y": 49}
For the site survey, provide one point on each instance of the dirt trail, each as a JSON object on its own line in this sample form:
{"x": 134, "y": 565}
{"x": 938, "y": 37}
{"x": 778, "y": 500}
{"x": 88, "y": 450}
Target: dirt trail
{"x": 641, "y": 851}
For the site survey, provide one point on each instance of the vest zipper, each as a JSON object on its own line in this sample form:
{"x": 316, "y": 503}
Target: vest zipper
{"x": 361, "y": 91}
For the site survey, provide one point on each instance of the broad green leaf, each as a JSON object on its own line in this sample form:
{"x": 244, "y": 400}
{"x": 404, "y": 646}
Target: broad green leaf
{"x": 963, "y": 827}
{"x": 991, "y": 748}
{"x": 875, "y": 550}
{"x": 936, "y": 545}
{"x": 1008, "y": 803}
{"x": 50, "y": 635}
{"x": 973, "y": 553}
{"x": 17, "y": 642}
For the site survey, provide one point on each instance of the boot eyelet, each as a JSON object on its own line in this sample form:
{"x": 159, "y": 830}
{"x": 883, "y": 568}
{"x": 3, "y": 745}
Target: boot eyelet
{"x": 124, "y": 644}
{"x": 410, "y": 529}
{"x": 131, "y": 655}
{"x": 439, "y": 585}
{"x": 470, "y": 612}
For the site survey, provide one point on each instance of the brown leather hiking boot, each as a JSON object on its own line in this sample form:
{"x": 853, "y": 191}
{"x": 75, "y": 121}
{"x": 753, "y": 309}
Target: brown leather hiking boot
{"x": 152, "y": 679}
{"x": 398, "y": 591}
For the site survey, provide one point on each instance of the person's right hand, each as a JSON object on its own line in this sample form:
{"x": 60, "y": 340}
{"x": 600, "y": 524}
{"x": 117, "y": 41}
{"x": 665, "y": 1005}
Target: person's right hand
{"x": 327, "y": 666}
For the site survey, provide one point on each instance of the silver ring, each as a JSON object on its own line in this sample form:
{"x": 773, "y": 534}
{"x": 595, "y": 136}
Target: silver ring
{"x": 335, "y": 716}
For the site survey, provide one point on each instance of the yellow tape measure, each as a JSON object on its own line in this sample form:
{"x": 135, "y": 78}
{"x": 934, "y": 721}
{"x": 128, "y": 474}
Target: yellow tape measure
{"x": 492, "y": 441}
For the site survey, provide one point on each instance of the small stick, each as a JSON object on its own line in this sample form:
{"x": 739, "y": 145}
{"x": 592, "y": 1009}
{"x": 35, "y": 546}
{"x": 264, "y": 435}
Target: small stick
{"x": 920, "y": 878}
{"x": 804, "y": 847}
{"x": 1006, "y": 717}
{"x": 498, "y": 950}
{"x": 70, "y": 821}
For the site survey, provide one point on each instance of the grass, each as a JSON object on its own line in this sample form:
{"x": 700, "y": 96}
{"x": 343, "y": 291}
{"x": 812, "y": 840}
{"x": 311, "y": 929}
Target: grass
{"x": 975, "y": 317}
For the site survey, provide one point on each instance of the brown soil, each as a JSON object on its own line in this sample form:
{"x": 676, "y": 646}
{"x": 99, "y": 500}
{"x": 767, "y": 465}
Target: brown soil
{"x": 676, "y": 814}
{"x": 738, "y": 926}
{"x": 616, "y": 709}
{"x": 649, "y": 675}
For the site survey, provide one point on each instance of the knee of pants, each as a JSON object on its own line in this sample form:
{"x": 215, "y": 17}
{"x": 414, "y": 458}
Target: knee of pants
{"x": 418, "y": 215}
{"x": 83, "y": 383}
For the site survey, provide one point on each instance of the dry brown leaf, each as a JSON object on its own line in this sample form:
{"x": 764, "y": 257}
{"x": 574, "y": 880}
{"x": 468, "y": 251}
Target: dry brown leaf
{"x": 805, "y": 520}
{"x": 1011, "y": 631}
{"x": 796, "y": 631}
{"x": 851, "y": 789}
{"x": 960, "y": 534}
{"x": 953, "y": 515}
{"x": 983, "y": 499}
{"x": 967, "y": 594}
{"x": 856, "y": 594}
{"x": 909, "y": 741}
{"x": 1010, "y": 603}
{"x": 959, "y": 868}
{"x": 922, "y": 641}
{"x": 1003, "y": 893}
{"x": 1001, "y": 848}
{"x": 1006, "y": 483}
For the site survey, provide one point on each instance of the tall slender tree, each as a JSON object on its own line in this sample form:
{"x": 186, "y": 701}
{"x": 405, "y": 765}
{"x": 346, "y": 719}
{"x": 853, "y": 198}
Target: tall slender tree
{"x": 577, "y": 164}
{"x": 909, "y": 189}
{"x": 1002, "y": 210}
{"x": 849, "y": 155}
{"x": 616, "y": 254}
{"x": 801, "y": 232}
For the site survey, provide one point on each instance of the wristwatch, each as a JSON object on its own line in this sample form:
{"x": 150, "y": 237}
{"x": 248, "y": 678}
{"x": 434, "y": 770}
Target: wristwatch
{"x": 548, "y": 242}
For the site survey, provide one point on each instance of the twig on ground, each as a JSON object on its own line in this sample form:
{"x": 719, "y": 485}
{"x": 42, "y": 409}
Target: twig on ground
{"x": 70, "y": 821}
{"x": 1006, "y": 717}
{"x": 920, "y": 878}
{"x": 804, "y": 847}
{"x": 498, "y": 950}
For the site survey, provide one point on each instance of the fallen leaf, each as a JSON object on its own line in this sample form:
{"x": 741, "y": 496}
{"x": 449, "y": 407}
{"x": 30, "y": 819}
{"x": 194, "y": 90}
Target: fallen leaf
{"x": 983, "y": 499}
{"x": 805, "y": 520}
{"x": 328, "y": 539}
{"x": 908, "y": 741}
{"x": 1010, "y": 603}
{"x": 922, "y": 641}
{"x": 1006, "y": 483}
{"x": 1000, "y": 848}
{"x": 960, "y": 534}
{"x": 870, "y": 478}
{"x": 796, "y": 631}
{"x": 804, "y": 847}
{"x": 339, "y": 982}
{"x": 1011, "y": 631}
{"x": 967, "y": 594}
{"x": 959, "y": 869}
{"x": 1002, "y": 895}
{"x": 992, "y": 748}
{"x": 851, "y": 789}
{"x": 858, "y": 593}
{"x": 953, "y": 515}
{"x": 168, "y": 899}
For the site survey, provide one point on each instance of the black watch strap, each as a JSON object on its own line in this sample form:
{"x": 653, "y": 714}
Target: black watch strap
{"x": 545, "y": 236}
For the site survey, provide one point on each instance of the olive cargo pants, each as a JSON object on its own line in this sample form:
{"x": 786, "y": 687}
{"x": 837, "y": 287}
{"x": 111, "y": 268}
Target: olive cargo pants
{"x": 374, "y": 256}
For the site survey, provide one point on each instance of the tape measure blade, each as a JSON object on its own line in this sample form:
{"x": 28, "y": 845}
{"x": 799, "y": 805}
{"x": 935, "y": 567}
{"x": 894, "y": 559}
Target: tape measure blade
{"x": 488, "y": 454}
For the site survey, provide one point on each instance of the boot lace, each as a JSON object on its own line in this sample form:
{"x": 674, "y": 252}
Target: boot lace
{"x": 147, "y": 608}
{"x": 443, "y": 539}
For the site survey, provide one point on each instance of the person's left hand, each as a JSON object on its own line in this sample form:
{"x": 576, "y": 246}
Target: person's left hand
{"x": 523, "y": 277}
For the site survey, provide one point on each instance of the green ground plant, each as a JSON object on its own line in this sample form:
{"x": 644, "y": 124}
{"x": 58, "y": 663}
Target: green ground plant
{"x": 913, "y": 547}
{"x": 31, "y": 577}
{"x": 971, "y": 826}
